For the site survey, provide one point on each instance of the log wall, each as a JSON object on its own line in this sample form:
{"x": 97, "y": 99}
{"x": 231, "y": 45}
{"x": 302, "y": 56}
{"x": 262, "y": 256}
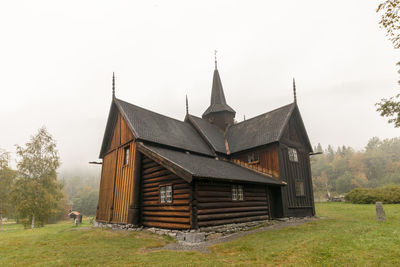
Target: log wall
{"x": 213, "y": 204}
{"x": 175, "y": 215}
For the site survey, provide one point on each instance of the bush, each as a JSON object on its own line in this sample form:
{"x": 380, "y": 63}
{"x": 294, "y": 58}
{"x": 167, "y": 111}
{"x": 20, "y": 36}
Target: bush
{"x": 389, "y": 194}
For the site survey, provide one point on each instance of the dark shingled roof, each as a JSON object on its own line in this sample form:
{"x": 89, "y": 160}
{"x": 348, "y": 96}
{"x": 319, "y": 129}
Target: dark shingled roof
{"x": 212, "y": 133}
{"x": 263, "y": 129}
{"x": 218, "y": 101}
{"x": 150, "y": 126}
{"x": 210, "y": 168}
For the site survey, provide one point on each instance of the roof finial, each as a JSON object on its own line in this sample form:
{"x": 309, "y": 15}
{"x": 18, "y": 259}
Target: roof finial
{"x": 113, "y": 86}
{"x": 187, "y": 105}
{"x": 244, "y": 117}
{"x": 294, "y": 91}
{"x": 215, "y": 56}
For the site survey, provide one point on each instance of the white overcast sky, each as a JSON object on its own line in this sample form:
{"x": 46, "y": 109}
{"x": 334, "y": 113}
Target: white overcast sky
{"x": 57, "y": 59}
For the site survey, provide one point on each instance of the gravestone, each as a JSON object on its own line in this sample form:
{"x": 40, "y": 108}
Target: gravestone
{"x": 380, "y": 212}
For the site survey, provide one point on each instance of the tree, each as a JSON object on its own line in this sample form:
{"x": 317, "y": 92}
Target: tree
{"x": 7, "y": 176}
{"x": 36, "y": 191}
{"x": 390, "y": 21}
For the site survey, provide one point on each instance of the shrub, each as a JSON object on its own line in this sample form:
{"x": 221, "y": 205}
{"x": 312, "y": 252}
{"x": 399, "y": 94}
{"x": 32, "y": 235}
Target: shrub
{"x": 389, "y": 194}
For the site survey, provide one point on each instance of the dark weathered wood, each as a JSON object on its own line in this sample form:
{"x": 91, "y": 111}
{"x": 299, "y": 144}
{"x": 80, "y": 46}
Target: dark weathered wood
{"x": 171, "y": 215}
{"x": 236, "y": 209}
{"x": 235, "y": 220}
{"x": 231, "y": 204}
{"x": 166, "y": 225}
{"x": 208, "y": 217}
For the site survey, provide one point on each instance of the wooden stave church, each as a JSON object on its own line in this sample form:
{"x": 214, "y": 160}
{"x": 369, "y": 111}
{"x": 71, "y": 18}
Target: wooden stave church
{"x": 166, "y": 173}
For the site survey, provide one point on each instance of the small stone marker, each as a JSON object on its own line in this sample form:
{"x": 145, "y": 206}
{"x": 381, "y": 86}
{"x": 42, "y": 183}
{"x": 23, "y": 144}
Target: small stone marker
{"x": 380, "y": 212}
{"x": 76, "y": 222}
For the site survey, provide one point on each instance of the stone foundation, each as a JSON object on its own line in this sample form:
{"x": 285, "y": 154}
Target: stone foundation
{"x": 194, "y": 236}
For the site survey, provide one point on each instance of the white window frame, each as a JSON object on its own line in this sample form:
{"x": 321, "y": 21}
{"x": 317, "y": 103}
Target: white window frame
{"x": 293, "y": 155}
{"x": 237, "y": 193}
{"x": 126, "y": 154}
{"x": 168, "y": 194}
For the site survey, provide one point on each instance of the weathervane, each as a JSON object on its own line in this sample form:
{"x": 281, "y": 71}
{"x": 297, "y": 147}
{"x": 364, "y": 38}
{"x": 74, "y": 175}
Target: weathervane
{"x": 113, "y": 86}
{"x": 294, "y": 91}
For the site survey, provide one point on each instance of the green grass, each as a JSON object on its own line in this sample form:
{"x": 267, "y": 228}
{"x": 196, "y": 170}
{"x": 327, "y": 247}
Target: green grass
{"x": 348, "y": 235}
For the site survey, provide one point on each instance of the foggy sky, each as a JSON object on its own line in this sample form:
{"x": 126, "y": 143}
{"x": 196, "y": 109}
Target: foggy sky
{"x": 57, "y": 59}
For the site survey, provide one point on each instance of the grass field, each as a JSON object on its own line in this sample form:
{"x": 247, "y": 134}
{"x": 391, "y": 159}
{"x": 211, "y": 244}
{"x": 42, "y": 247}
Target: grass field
{"x": 347, "y": 235}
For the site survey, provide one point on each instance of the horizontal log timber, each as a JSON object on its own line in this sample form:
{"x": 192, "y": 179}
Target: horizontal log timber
{"x": 227, "y": 199}
{"x": 146, "y": 160}
{"x": 152, "y": 170}
{"x": 175, "y": 202}
{"x": 166, "y": 225}
{"x": 236, "y": 220}
{"x": 160, "y": 178}
{"x": 166, "y": 208}
{"x": 208, "y": 217}
{"x": 167, "y": 182}
{"x": 149, "y": 165}
{"x": 156, "y": 174}
{"x": 175, "y": 196}
{"x": 154, "y": 188}
{"x": 166, "y": 219}
{"x": 237, "y": 209}
{"x": 167, "y": 213}
{"x": 231, "y": 204}
{"x": 156, "y": 192}
{"x": 228, "y": 188}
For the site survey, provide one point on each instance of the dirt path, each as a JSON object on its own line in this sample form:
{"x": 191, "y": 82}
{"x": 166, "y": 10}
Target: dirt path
{"x": 203, "y": 247}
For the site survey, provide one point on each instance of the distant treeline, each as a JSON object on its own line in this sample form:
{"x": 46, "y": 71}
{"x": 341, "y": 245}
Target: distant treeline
{"x": 337, "y": 171}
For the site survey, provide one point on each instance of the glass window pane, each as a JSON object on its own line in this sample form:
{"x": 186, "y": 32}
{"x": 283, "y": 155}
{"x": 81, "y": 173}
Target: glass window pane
{"x": 240, "y": 192}
{"x": 169, "y": 193}
{"x": 234, "y": 192}
{"x": 162, "y": 194}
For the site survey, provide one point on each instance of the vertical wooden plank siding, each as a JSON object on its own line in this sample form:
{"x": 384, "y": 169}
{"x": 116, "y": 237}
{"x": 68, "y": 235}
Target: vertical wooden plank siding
{"x": 215, "y": 205}
{"x": 268, "y": 160}
{"x": 124, "y": 184}
{"x": 106, "y": 187}
{"x": 175, "y": 215}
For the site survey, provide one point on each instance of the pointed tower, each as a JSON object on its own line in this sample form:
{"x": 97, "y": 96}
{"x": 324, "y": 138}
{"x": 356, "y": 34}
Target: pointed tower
{"x": 219, "y": 112}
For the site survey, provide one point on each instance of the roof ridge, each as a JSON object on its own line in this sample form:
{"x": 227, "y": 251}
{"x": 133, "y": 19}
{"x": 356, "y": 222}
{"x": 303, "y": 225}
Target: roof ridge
{"x": 261, "y": 114}
{"x": 148, "y": 110}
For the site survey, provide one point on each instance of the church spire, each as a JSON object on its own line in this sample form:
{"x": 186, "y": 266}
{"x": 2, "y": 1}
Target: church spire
{"x": 294, "y": 91}
{"x": 113, "y": 86}
{"x": 219, "y": 111}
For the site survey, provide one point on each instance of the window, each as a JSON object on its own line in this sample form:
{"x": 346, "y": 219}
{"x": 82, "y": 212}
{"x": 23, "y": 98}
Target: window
{"x": 162, "y": 194}
{"x": 300, "y": 188}
{"x": 253, "y": 157}
{"x": 166, "y": 194}
{"x": 126, "y": 155}
{"x": 293, "y": 154}
{"x": 237, "y": 192}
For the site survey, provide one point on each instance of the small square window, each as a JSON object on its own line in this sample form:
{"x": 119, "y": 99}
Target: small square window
{"x": 253, "y": 157}
{"x": 300, "y": 189}
{"x": 293, "y": 154}
{"x": 162, "y": 194}
{"x": 237, "y": 192}
{"x": 126, "y": 155}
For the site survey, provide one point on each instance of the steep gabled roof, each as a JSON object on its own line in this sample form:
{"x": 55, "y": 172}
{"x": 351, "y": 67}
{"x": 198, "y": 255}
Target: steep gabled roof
{"x": 191, "y": 166}
{"x": 211, "y": 133}
{"x": 218, "y": 101}
{"x": 150, "y": 126}
{"x": 263, "y": 129}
